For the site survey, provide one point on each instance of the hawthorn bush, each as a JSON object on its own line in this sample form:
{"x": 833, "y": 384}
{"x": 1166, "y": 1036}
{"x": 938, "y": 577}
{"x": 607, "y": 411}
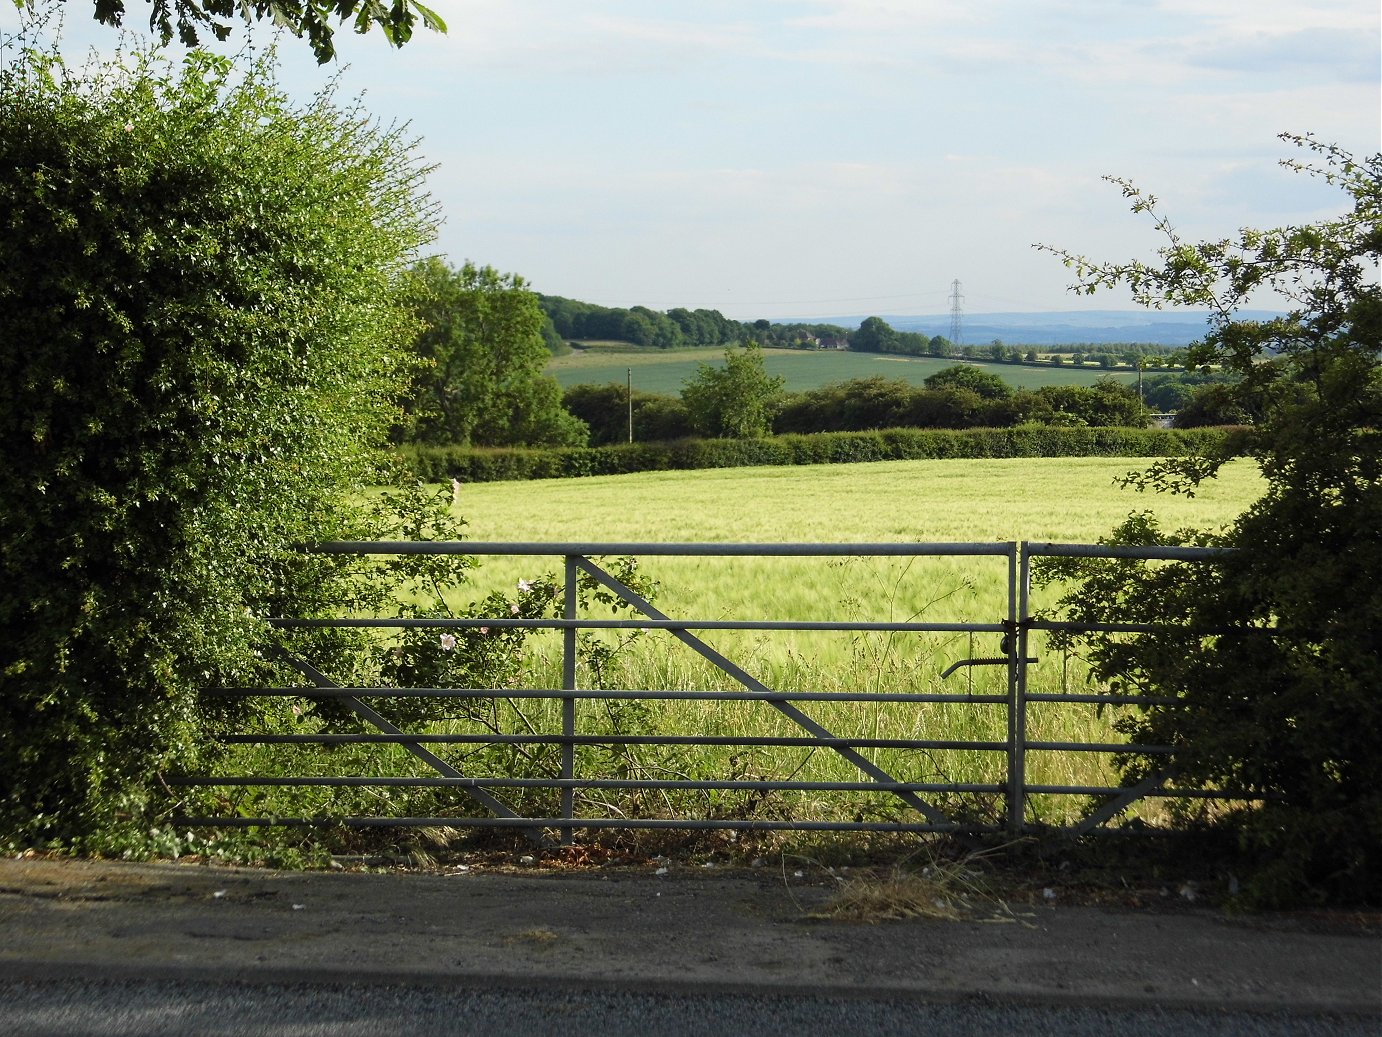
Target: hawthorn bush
{"x": 200, "y": 343}
{"x": 1283, "y": 700}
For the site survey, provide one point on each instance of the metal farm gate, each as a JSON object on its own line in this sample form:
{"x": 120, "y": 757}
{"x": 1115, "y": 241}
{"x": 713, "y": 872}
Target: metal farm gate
{"x": 912, "y": 802}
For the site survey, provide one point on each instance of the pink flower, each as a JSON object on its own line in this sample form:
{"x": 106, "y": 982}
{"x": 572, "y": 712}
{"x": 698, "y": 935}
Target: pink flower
{"x": 448, "y": 642}
{"x": 484, "y": 630}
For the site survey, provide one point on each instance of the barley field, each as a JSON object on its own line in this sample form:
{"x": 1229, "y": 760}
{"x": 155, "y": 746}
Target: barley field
{"x": 1052, "y": 500}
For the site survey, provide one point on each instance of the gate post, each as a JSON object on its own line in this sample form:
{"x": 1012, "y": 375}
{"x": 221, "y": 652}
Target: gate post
{"x": 568, "y": 704}
{"x": 1016, "y": 641}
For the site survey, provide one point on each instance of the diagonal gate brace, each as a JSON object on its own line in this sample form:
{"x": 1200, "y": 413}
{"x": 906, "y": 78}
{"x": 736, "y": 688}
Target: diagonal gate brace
{"x": 1124, "y": 799}
{"x": 490, "y": 802}
{"x": 788, "y": 710}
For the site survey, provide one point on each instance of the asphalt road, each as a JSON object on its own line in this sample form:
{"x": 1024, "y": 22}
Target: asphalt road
{"x": 110, "y": 948}
{"x": 64, "y": 1008}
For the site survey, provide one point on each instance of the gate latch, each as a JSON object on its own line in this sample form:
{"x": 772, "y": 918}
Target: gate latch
{"x": 1005, "y": 646}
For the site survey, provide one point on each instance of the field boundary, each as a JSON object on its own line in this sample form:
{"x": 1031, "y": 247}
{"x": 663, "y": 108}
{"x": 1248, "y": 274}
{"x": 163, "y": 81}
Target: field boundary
{"x": 499, "y": 464}
{"x": 917, "y": 805}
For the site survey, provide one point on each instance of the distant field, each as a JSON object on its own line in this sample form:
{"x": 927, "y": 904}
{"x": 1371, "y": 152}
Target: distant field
{"x": 664, "y": 371}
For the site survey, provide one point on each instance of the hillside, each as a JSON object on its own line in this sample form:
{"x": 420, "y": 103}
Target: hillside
{"x": 1163, "y": 327}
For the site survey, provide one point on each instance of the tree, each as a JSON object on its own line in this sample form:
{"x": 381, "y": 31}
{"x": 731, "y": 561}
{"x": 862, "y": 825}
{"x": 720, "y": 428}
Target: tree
{"x": 1214, "y": 404}
{"x": 1268, "y": 658}
{"x": 483, "y": 353}
{"x": 966, "y": 376}
{"x": 202, "y": 344}
{"x": 605, "y": 410}
{"x": 187, "y": 19}
{"x": 875, "y": 335}
{"x": 736, "y": 401}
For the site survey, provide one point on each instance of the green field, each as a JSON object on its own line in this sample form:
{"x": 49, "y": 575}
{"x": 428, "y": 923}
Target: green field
{"x": 943, "y": 500}
{"x": 1063, "y": 500}
{"x": 664, "y": 371}
{"x": 1069, "y": 500}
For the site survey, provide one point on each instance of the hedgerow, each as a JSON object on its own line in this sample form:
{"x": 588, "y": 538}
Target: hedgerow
{"x": 199, "y": 350}
{"x": 438, "y": 464}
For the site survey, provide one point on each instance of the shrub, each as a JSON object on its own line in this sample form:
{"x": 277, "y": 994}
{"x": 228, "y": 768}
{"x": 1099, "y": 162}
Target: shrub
{"x": 199, "y": 329}
{"x": 1267, "y": 664}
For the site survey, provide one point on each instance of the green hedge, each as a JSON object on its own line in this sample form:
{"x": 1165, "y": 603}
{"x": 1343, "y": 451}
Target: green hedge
{"x": 477, "y": 464}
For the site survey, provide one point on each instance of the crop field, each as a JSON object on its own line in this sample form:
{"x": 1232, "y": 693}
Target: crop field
{"x": 664, "y": 371}
{"x": 1057, "y": 500}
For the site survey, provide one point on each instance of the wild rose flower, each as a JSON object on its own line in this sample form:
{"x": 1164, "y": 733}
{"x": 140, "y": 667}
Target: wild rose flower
{"x": 448, "y": 642}
{"x": 524, "y": 586}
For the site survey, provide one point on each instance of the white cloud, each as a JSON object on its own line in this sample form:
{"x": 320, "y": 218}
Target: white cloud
{"x": 886, "y": 16}
{"x": 1245, "y": 17}
{"x": 768, "y": 154}
{"x": 1345, "y": 55}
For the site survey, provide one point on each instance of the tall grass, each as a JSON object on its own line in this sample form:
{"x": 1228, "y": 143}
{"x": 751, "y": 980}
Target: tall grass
{"x": 1060, "y": 500}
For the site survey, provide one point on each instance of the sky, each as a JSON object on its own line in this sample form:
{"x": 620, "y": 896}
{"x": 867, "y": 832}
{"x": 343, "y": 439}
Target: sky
{"x": 814, "y": 158}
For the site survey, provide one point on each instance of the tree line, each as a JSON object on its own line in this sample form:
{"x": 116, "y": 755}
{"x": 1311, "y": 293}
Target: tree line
{"x": 739, "y": 400}
{"x": 573, "y": 320}
{"x": 484, "y": 339}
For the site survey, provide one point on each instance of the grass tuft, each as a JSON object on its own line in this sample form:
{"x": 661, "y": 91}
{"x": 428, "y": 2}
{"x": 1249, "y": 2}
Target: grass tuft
{"x": 951, "y": 890}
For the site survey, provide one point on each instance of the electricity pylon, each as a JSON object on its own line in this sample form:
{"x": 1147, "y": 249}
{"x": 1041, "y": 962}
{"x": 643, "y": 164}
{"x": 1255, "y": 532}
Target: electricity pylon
{"x": 955, "y": 312}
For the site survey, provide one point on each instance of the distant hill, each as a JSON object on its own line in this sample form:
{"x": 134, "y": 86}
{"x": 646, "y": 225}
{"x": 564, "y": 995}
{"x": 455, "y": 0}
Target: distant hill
{"x": 1168, "y": 328}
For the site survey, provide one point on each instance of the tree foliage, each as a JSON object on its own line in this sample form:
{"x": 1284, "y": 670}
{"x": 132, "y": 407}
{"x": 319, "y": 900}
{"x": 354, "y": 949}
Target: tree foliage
{"x": 605, "y": 410}
{"x": 188, "y": 19}
{"x": 1284, "y": 700}
{"x": 736, "y": 401}
{"x": 481, "y": 381}
{"x": 966, "y": 376}
{"x": 200, "y": 343}
{"x": 882, "y": 403}
{"x": 640, "y": 325}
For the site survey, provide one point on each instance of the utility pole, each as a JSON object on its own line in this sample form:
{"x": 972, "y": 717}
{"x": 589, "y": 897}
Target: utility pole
{"x": 1141, "y": 397}
{"x": 956, "y": 299}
